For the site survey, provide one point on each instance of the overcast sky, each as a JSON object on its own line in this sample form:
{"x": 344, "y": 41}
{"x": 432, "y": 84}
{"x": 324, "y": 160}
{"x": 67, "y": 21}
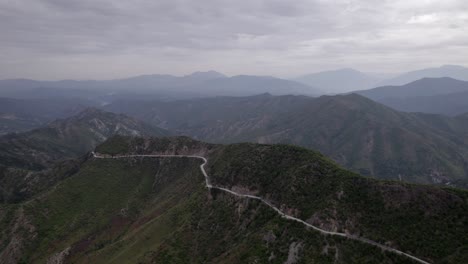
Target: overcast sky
{"x": 99, "y": 39}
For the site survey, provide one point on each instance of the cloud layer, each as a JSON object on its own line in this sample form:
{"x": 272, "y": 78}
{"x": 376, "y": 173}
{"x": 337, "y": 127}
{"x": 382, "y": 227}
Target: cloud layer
{"x": 55, "y": 39}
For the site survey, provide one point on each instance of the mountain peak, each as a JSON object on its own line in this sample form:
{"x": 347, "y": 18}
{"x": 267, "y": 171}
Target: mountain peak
{"x": 206, "y": 75}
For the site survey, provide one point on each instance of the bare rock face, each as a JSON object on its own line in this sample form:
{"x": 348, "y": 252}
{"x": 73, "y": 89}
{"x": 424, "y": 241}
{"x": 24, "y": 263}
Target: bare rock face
{"x": 59, "y": 258}
{"x": 22, "y": 231}
{"x": 294, "y": 250}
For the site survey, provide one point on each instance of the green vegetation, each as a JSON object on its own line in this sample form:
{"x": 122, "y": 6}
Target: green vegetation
{"x": 106, "y": 201}
{"x": 157, "y": 210}
{"x": 424, "y": 220}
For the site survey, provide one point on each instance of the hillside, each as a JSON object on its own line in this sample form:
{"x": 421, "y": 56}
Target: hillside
{"x": 68, "y": 138}
{"x": 358, "y": 133}
{"x": 158, "y": 210}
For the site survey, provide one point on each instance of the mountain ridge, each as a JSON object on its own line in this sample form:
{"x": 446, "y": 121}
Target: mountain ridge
{"x": 451, "y": 71}
{"x": 422, "y": 87}
{"x": 198, "y": 84}
{"x": 355, "y": 131}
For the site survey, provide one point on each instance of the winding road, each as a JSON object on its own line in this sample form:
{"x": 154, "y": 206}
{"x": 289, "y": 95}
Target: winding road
{"x": 281, "y": 213}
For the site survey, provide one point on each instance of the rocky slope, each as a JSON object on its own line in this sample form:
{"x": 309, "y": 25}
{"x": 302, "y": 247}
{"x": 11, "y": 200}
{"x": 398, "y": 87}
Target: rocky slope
{"x": 68, "y": 138}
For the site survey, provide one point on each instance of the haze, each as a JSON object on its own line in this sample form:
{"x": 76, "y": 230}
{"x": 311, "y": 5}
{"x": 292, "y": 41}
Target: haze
{"x": 104, "y": 39}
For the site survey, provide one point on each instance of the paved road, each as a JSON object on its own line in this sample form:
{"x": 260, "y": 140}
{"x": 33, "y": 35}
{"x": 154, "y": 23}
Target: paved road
{"x": 281, "y": 213}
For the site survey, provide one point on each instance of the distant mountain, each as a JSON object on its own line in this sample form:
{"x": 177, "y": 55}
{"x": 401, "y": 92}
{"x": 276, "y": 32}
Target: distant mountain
{"x": 339, "y": 81}
{"x": 244, "y": 85}
{"x": 205, "y": 76}
{"x": 429, "y": 95}
{"x": 422, "y": 87}
{"x": 162, "y": 87}
{"x": 451, "y": 71}
{"x": 358, "y": 133}
{"x": 68, "y": 138}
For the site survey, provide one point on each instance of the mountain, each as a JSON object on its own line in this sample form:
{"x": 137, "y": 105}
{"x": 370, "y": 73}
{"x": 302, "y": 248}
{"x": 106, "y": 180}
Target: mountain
{"x": 68, "y": 138}
{"x": 17, "y": 115}
{"x": 339, "y": 81}
{"x": 205, "y": 76}
{"x": 451, "y": 71}
{"x": 147, "y": 87}
{"x": 422, "y": 87}
{"x": 358, "y": 133}
{"x": 158, "y": 210}
{"x": 244, "y": 85}
{"x": 429, "y": 95}
{"x": 447, "y": 104}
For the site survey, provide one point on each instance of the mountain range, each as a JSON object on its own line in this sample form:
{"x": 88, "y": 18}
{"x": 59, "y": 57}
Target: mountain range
{"x": 211, "y": 83}
{"x": 358, "y": 133}
{"x": 165, "y": 87}
{"x": 348, "y": 80}
{"x": 62, "y": 203}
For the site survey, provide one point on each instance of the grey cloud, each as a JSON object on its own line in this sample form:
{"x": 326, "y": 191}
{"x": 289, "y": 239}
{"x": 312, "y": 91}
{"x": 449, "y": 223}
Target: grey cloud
{"x": 178, "y": 36}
